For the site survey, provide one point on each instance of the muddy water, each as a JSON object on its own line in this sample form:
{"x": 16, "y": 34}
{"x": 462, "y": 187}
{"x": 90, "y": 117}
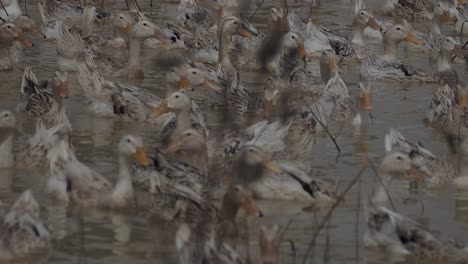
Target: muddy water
{"x": 83, "y": 236}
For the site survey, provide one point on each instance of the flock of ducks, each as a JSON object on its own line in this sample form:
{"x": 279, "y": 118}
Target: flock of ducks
{"x": 200, "y": 178}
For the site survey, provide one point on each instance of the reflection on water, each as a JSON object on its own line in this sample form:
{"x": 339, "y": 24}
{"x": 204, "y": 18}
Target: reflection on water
{"x": 92, "y": 237}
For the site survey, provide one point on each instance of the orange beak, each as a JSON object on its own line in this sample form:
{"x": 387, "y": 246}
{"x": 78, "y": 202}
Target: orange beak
{"x": 416, "y": 174}
{"x": 129, "y": 28}
{"x": 245, "y": 33}
{"x": 445, "y": 17}
{"x": 250, "y": 207}
{"x": 271, "y": 166}
{"x": 372, "y": 24}
{"x": 141, "y": 157}
{"x": 162, "y": 109}
{"x": 23, "y": 40}
{"x": 174, "y": 147}
{"x": 268, "y": 108}
{"x": 36, "y": 32}
{"x": 63, "y": 89}
{"x": 301, "y": 50}
{"x": 412, "y": 39}
{"x": 184, "y": 83}
{"x": 463, "y": 101}
{"x": 212, "y": 85}
{"x": 366, "y": 101}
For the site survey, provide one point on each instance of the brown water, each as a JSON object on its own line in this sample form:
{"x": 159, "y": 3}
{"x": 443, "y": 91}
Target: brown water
{"x": 84, "y": 236}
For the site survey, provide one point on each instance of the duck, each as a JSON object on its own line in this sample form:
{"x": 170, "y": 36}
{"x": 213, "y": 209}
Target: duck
{"x": 407, "y": 9}
{"x": 89, "y": 188}
{"x": 23, "y": 152}
{"x": 24, "y": 233}
{"x": 254, "y": 169}
{"x": 449, "y": 114}
{"x": 109, "y": 99}
{"x": 26, "y": 25}
{"x": 445, "y": 70}
{"x": 10, "y": 33}
{"x": 53, "y": 12}
{"x": 122, "y": 26}
{"x": 189, "y": 146}
{"x": 436, "y": 171}
{"x": 187, "y": 115}
{"x": 207, "y": 237}
{"x": 42, "y": 100}
{"x": 388, "y": 66}
{"x": 400, "y": 235}
{"x": 228, "y": 27}
{"x": 346, "y": 107}
{"x": 11, "y": 10}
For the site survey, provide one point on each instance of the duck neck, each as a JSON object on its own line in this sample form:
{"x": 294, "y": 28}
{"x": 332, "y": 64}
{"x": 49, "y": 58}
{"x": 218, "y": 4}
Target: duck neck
{"x": 132, "y": 5}
{"x": 443, "y": 61}
{"x": 88, "y": 21}
{"x": 225, "y": 42}
{"x": 390, "y": 50}
{"x": 358, "y": 32}
{"x": 124, "y": 187}
{"x": 7, "y": 137}
{"x": 135, "y": 50}
{"x": 183, "y": 120}
{"x": 381, "y": 186}
{"x": 228, "y": 210}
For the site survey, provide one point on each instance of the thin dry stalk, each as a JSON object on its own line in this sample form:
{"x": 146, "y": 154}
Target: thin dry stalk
{"x": 258, "y": 7}
{"x": 324, "y": 127}
{"x": 374, "y": 169}
{"x": 329, "y": 214}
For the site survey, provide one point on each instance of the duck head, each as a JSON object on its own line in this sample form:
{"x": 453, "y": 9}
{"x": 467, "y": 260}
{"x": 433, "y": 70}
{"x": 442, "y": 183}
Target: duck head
{"x": 365, "y": 95}
{"x": 132, "y": 146}
{"x": 238, "y": 197}
{"x": 176, "y": 102}
{"x": 396, "y": 34}
{"x": 122, "y": 22}
{"x": 363, "y": 18}
{"x": 190, "y": 147}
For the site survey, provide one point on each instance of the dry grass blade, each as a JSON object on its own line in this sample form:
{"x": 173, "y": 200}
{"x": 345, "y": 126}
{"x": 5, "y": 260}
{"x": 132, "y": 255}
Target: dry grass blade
{"x": 374, "y": 169}
{"x": 255, "y": 12}
{"x": 323, "y": 126}
{"x": 6, "y": 12}
{"x": 327, "y": 217}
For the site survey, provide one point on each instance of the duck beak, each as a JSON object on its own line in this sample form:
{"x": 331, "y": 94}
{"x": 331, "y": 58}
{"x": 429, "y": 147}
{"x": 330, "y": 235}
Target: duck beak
{"x": 416, "y": 174}
{"x": 141, "y": 157}
{"x": 162, "y": 38}
{"x": 36, "y": 32}
{"x": 373, "y": 24}
{"x": 184, "y": 83}
{"x": 301, "y": 50}
{"x": 445, "y": 17}
{"x": 24, "y": 40}
{"x": 247, "y": 31}
{"x": 410, "y": 38}
{"x": 63, "y": 89}
{"x": 174, "y": 147}
{"x": 366, "y": 101}
{"x": 211, "y": 85}
{"x": 129, "y": 28}
{"x": 162, "y": 109}
{"x": 251, "y": 208}
{"x": 268, "y": 107}
{"x": 463, "y": 101}
{"x": 271, "y": 166}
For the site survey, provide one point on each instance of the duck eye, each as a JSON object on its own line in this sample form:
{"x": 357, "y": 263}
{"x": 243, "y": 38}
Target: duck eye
{"x": 173, "y": 39}
{"x": 250, "y": 150}
{"x": 397, "y": 28}
{"x": 438, "y": 5}
{"x": 8, "y": 26}
{"x": 293, "y": 37}
{"x": 362, "y": 13}
{"x": 189, "y": 134}
{"x": 5, "y": 115}
{"x": 399, "y": 158}
{"x": 128, "y": 140}
{"x": 177, "y": 96}
{"x": 235, "y": 23}
{"x": 145, "y": 24}
{"x": 194, "y": 73}
{"x": 447, "y": 40}
{"x": 187, "y": 16}
{"x": 121, "y": 17}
